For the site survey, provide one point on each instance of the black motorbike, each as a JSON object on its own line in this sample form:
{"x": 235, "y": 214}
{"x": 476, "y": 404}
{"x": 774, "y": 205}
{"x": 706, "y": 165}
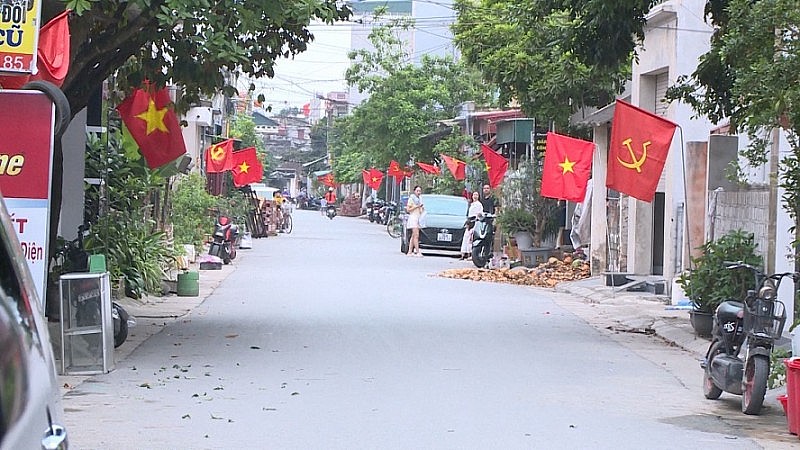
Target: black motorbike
{"x": 387, "y": 212}
{"x": 482, "y": 240}
{"x": 330, "y": 211}
{"x": 225, "y": 239}
{"x": 374, "y": 210}
{"x": 743, "y": 336}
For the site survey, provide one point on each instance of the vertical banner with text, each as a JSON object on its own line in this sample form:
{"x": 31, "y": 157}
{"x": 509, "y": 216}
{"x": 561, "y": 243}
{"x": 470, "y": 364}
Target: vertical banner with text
{"x": 26, "y": 166}
{"x": 19, "y": 27}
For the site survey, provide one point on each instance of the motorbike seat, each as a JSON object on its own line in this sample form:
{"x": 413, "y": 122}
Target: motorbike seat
{"x": 729, "y": 310}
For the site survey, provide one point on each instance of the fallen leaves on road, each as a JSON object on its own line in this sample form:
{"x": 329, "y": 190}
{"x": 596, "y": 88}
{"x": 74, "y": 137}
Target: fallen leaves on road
{"x": 547, "y": 274}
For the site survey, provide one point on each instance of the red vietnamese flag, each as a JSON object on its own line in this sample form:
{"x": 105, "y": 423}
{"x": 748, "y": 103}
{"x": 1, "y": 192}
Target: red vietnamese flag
{"x": 328, "y": 180}
{"x": 457, "y": 167}
{"x": 639, "y": 146}
{"x": 246, "y": 167}
{"x": 53, "y": 50}
{"x": 374, "y": 178}
{"x": 153, "y": 126}
{"x": 496, "y": 165}
{"x": 567, "y": 166}
{"x": 429, "y": 168}
{"x": 219, "y": 157}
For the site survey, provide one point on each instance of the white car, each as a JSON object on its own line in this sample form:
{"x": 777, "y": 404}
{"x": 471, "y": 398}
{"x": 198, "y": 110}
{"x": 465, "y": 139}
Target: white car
{"x": 31, "y": 415}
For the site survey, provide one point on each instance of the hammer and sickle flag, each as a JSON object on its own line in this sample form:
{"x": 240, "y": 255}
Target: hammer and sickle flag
{"x": 219, "y": 157}
{"x": 639, "y": 146}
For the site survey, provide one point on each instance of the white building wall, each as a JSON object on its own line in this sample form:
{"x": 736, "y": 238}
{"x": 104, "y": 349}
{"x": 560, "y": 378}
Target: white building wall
{"x": 676, "y": 36}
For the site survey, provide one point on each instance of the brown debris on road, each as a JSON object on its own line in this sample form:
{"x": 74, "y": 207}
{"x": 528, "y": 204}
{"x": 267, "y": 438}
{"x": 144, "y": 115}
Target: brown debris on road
{"x": 547, "y": 274}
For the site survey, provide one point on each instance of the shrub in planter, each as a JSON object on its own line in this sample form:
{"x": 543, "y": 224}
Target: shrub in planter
{"x": 709, "y": 282}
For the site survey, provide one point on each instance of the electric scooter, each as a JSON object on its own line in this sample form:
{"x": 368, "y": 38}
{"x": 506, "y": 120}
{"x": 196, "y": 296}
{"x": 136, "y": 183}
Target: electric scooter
{"x": 743, "y": 336}
{"x": 482, "y": 240}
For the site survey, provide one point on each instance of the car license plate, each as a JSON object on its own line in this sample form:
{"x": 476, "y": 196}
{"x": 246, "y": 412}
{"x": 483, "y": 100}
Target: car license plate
{"x": 445, "y": 237}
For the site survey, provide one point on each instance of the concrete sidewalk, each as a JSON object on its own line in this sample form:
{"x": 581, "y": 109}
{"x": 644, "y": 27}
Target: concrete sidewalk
{"x": 152, "y": 314}
{"x": 643, "y": 311}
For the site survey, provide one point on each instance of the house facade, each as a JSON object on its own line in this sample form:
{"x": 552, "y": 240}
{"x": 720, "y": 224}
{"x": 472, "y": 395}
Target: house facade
{"x": 694, "y": 200}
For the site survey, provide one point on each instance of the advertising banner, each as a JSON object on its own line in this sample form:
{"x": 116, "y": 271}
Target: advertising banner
{"x": 19, "y": 34}
{"x": 26, "y": 165}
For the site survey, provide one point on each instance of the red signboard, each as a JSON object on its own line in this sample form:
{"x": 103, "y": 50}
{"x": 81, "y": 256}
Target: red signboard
{"x": 26, "y": 153}
{"x": 25, "y": 147}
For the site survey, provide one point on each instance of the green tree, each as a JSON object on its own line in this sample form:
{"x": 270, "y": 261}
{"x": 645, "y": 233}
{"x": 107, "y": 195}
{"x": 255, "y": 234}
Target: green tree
{"x": 196, "y": 44}
{"x": 751, "y": 77}
{"x": 405, "y": 102}
{"x": 553, "y": 57}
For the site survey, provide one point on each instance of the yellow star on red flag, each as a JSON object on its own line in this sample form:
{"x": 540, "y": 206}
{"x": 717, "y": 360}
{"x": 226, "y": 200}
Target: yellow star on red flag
{"x": 154, "y": 118}
{"x": 566, "y": 166}
{"x": 243, "y": 167}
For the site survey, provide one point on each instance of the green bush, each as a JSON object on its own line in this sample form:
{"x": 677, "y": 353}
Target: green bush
{"x": 190, "y": 206}
{"x": 709, "y": 282}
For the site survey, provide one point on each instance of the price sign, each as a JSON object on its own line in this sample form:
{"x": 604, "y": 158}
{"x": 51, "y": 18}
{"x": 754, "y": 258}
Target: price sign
{"x": 19, "y": 34}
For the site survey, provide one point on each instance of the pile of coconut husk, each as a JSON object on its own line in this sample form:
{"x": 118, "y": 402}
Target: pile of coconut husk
{"x": 547, "y": 274}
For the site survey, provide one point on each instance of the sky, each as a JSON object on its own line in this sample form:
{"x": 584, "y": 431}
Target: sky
{"x": 318, "y": 70}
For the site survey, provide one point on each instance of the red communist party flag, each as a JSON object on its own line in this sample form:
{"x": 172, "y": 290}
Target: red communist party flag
{"x": 396, "y": 172}
{"x": 457, "y": 167}
{"x": 53, "y": 50}
{"x": 153, "y": 126}
{"x": 375, "y": 178}
{"x": 428, "y": 168}
{"x": 567, "y": 166}
{"x": 496, "y": 165}
{"x": 246, "y": 167}
{"x": 639, "y": 146}
{"x": 219, "y": 157}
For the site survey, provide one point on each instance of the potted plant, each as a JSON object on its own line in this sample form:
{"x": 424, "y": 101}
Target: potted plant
{"x": 519, "y": 223}
{"x": 523, "y": 207}
{"x": 709, "y": 282}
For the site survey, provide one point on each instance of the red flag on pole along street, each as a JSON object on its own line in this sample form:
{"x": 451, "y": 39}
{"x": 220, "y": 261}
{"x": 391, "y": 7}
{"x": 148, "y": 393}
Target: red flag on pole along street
{"x": 567, "y": 166}
{"x": 153, "y": 125}
{"x": 374, "y": 178}
{"x": 219, "y": 157}
{"x": 457, "y": 167}
{"x": 396, "y": 172}
{"x": 53, "y": 50}
{"x": 639, "y": 146}
{"x": 246, "y": 167}
{"x": 496, "y": 165}
{"x": 428, "y": 168}
{"x": 328, "y": 180}
{"x": 307, "y": 109}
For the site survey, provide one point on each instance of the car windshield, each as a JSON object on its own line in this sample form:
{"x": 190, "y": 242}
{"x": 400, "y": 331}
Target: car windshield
{"x": 448, "y": 206}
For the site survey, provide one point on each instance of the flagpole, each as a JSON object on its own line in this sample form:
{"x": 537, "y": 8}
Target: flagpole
{"x": 688, "y": 246}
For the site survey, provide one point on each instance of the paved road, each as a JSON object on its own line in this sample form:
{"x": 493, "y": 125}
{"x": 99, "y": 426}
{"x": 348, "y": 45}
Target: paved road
{"x": 329, "y": 338}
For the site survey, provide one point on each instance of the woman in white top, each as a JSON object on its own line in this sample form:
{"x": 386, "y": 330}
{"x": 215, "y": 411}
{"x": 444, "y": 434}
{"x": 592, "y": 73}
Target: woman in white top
{"x": 475, "y": 209}
{"x": 414, "y": 207}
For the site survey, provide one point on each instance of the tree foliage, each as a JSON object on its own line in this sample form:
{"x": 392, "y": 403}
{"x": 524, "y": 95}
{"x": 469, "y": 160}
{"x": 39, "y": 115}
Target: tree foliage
{"x": 553, "y": 57}
{"x": 187, "y": 42}
{"x": 405, "y": 103}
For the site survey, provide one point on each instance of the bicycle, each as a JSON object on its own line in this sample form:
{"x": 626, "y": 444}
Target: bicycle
{"x": 285, "y": 225}
{"x": 394, "y": 226}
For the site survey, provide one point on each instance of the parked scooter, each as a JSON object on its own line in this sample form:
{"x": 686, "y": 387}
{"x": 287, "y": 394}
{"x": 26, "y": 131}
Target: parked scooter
{"x": 226, "y": 239}
{"x": 374, "y": 209}
{"x": 330, "y": 211}
{"x": 743, "y": 336}
{"x": 483, "y": 240}
{"x": 387, "y": 211}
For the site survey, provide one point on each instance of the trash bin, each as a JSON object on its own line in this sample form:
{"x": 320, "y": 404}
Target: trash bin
{"x": 793, "y": 394}
{"x": 189, "y": 284}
